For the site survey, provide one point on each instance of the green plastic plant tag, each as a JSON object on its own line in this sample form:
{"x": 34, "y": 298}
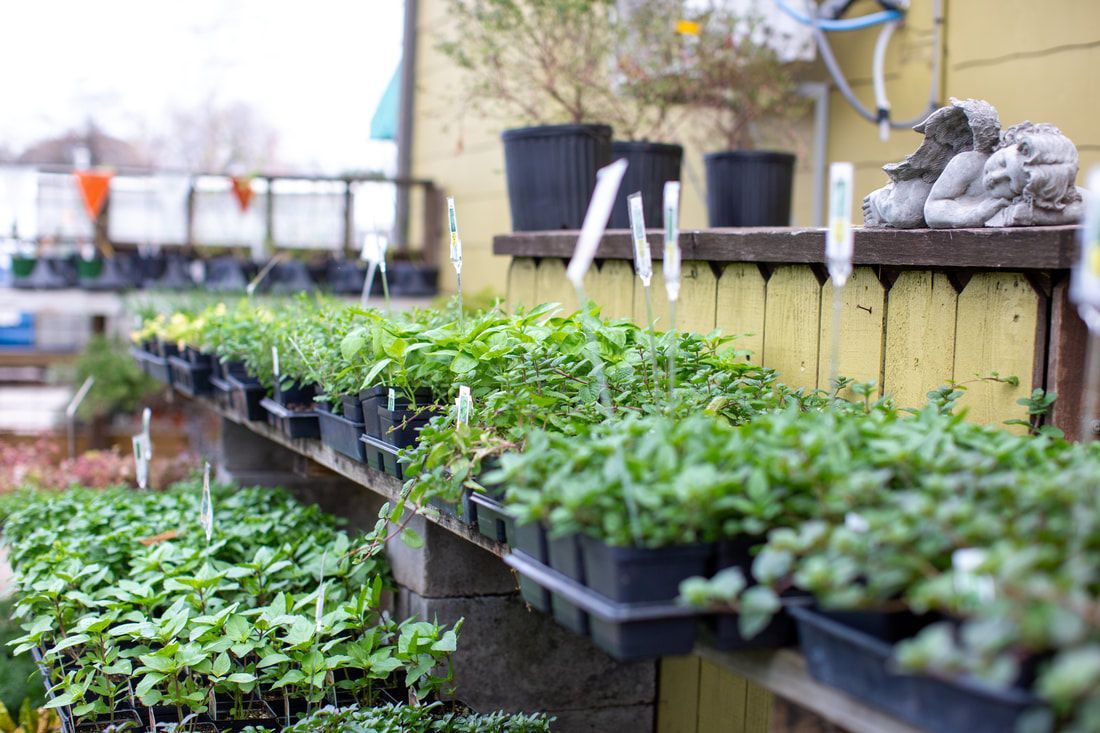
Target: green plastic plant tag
{"x": 672, "y": 240}
{"x": 643, "y": 260}
{"x": 456, "y": 243}
{"x": 141, "y": 461}
{"x": 838, "y": 237}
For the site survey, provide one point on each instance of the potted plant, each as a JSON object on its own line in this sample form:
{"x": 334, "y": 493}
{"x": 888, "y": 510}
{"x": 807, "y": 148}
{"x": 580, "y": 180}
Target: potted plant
{"x": 545, "y": 64}
{"x": 737, "y": 83}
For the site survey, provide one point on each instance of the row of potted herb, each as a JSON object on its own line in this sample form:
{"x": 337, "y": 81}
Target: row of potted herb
{"x": 138, "y": 615}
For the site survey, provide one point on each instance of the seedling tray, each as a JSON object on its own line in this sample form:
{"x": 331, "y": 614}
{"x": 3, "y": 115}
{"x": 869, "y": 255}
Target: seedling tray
{"x": 492, "y": 518}
{"x": 564, "y": 555}
{"x": 342, "y": 435}
{"x": 222, "y": 393}
{"x": 530, "y": 539}
{"x": 860, "y": 663}
{"x": 641, "y": 575}
{"x": 246, "y": 397}
{"x": 463, "y": 511}
{"x": 189, "y": 377}
{"x": 626, "y": 631}
{"x": 157, "y": 368}
{"x": 382, "y": 456}
{"x": 294, "y": 425}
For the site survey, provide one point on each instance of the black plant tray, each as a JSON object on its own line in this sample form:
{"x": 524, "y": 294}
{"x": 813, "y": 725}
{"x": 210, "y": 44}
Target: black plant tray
{"x": 641, "y": 575}
{"x": 626, "y": 631}
{"x": 530, "y": 539}
{"x": 222, "y": 393}
{"x": 294, "y": 425}
{"x": 245, "y": 397}
{"x": 463, "y": 511}
{"x": 157, "y": 367}
{"x": 141, "y": 356}
{"x": 381, "y": 456}
{"x": 858, "y": 661}
{"x": 492, "y": 519}
{"x": 342, "y": 435}
{"x": 188, "y": 377}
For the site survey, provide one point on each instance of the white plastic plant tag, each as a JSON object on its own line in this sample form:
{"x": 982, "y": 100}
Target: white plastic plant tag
{"x": 1085, "y": 283}
{"x": 965, "y": 563}
{"x": 141, "y": 463}
{"x": 319, "y": 608}
{"x": 643, "y": 261}
{"x": 856, "y": 523}
{"x": 391, "y": 400}
{"x": 87, "y": 252}
{"x": 456, "y": 243}
{"x": 608, "y": 179}
{"x": 275, "y": 361}
{"x": 672, "y": 240}
{"x": 838, "y": 237}
{"x": 146, "y": 439}
{"x": 465, "y": 404}
{"x": 206, "y": 508}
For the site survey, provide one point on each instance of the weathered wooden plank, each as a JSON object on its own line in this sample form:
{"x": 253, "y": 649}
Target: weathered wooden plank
{"x": 787, "y": 717}
{"x": 741, "y": 303}
{"x": 521, "y": 283}
{"x": 758, "y": 707}
{"x": 659, "y": 296}
{"x": 678, "y": 695}
{"x": 920, "y": 336}
{"x": 698, "y": 296}
{"x": 551, "y": 285}
{"x": 1066, "y": 365}
{"x": 862, "y": 320}
{"x": 792, "y": 316}
{"x": 721, "y": 701}
{"x": 996, "y": 329}
{"x": 1019, "y": 248}
{"x": 613, "y": 288}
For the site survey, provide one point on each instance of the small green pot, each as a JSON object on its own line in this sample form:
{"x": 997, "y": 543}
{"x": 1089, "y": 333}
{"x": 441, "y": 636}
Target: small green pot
{"x": 89, "y": 269}
{"x": 23, "y": 266}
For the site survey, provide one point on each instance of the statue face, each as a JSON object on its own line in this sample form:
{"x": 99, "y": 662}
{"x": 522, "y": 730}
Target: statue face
{"x": 1004, "y": 175}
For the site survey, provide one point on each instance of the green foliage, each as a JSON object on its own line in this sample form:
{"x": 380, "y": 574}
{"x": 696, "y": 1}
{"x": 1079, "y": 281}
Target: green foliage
{"x": 18, "y": 677}
{"x": 120, "y": 385}
{"x": 417, "y": 719}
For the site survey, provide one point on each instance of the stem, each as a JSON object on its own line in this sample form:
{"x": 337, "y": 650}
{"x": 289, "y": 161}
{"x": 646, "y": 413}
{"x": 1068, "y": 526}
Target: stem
{"x": 672, "y": 349}
{"x": 652, "y": 339}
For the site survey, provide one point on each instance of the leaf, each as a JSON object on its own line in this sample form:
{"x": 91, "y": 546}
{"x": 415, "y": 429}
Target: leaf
{"x": 412, "y": 538}
{"x": 221, "y": 665}
{"x": 463, "y": 364}
{"x": 241, "y": 678}
{"x": 758, "y": 604}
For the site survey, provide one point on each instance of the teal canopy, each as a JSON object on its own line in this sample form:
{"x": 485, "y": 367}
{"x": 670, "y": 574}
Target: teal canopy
{"x": 383, "y": 126}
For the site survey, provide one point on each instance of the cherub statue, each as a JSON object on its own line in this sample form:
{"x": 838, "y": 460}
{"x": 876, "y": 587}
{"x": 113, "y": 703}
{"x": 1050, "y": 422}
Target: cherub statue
{"x": 964, "y": 126}
{"x": 1028, "y": 180}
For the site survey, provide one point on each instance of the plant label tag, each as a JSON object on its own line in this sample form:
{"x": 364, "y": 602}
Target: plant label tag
{"x": 965, "y": 562}
{"x": 206, "y": 508}
{"x": 608, "y": 179}
{"x": 141, "y": 462}
{"x": 319, "y": 608}
{"x": 838, "y": 237}
{"x": 456, "y": 243}
{"x": 643, "y": 261}
{"x": 672, "y": 240}
{"x": 391, "y": 400}
{"x": 465, "y": 404}
{"x": 146, "y": 440}
{"x": 275, "y": 361}
{"x": 1085, "y": 283}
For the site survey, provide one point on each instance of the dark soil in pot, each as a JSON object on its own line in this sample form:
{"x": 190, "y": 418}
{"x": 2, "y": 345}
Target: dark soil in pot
{"x": 551, "y": 173}
{"x": 749, "y": 188}
{"x": 650, "y": 165}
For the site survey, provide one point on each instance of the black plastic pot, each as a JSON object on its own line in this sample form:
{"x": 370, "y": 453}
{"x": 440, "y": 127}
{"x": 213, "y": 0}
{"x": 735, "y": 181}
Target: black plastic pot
{"x": 177, "y": 275}
{"x": 382, "y": 456}
{"x": 853, "y": 653}
{"x": 530, "y": 541}
{"x": 230, "y": 368}
{"x": 294, "y": 395}
{"x": 412, "y": 279}
{"x": 256, "y": 713}
{"x": 649, "y": 166}
{"x": 294, "y": 424}
{"x": 225, "y": 274}
{"x": 551, "y": 173}
{"x": 247, "y": 394}
{"x": 463, "y": 510}
{"x": 564, "y": 555}
{"x": 112, "y": 275}
{"x": 50, "y": 273}
{"x": 633, "y": 575}
{"x": 221, "y": 392}
{"x": 291, "y": 277}
{"x": 157, "y": 367}
{"x": 749, "y": 188}
{"x": 344, "y": 277}
{"x": 104, "y": 722}
{"x": 351, "y": 407}
{"x": 493, "y": 520}
{"x": 188, "y": 377}
{"x": 400, "y": 428}
{"x": 341, "y": 434}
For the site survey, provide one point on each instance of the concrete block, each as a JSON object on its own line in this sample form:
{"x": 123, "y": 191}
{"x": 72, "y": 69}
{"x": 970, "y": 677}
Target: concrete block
{"x": 511, "y": 658}
{"x": 447, "y": 565}
{"x": 243, "y": 451}
{"x": 625, "y": 719}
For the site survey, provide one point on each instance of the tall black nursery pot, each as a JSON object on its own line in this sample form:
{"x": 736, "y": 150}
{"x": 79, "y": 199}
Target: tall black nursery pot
{"x": 551, "y": 172}
{"x": 649, "y": 165}
{"x": 749, "y": 188}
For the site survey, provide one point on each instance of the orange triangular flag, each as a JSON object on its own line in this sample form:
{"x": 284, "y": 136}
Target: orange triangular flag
{"x": 93, "y": 189}
{"x": 242, "y": 189}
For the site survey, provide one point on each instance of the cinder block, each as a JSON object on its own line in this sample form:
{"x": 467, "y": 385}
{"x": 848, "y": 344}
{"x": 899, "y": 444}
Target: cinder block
{"x": 626, "y": 719}
{"x": 243, "y": 451}
{"x": 510, "y": 658}
{"x": 447, "y": 565}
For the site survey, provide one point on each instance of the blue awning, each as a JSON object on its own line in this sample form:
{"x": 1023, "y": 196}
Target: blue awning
{"x": 383, "y": 126}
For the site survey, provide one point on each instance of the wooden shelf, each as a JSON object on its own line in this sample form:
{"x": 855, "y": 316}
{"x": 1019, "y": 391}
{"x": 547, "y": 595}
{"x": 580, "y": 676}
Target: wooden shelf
{"x": 782, "y": 672}
{"x": 1022, "y": 248}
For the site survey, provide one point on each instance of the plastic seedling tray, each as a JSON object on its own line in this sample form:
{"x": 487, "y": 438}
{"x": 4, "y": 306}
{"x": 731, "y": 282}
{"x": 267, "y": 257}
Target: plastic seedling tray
{"x": 626, "y": 631}
{"x": 564, "y": 555}
{"x": 246, "y": 397}
{"x": 294, "y": 396}
{"x": 222, "y": 392}
{"x": 386, "y": 455}
{"x": 639, "y": 575}
{"x": 295, "y": 425}
{"x": 341, "y": 434}
{"x": 352, "y": 408}
{"x": 255, "y": 713}
{"x": 530, "y": 539}
{"x": 373, "y": 453}
{"x": 492, "y": 519}
{"x": 157, "y": 368}
{"x": 401, "y": 427}
{"x": 188, "y": 377}
{"x": 853, "y": 652}
{"x": 462, "y": 511}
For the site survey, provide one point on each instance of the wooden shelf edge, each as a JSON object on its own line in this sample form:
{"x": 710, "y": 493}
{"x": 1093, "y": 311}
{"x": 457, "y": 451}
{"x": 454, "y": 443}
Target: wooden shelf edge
{"x": 375, "y": 481}
{"x": 783, "y": 672}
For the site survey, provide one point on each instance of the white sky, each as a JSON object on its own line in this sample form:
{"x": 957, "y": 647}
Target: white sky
{"x": 313, "y": 70}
